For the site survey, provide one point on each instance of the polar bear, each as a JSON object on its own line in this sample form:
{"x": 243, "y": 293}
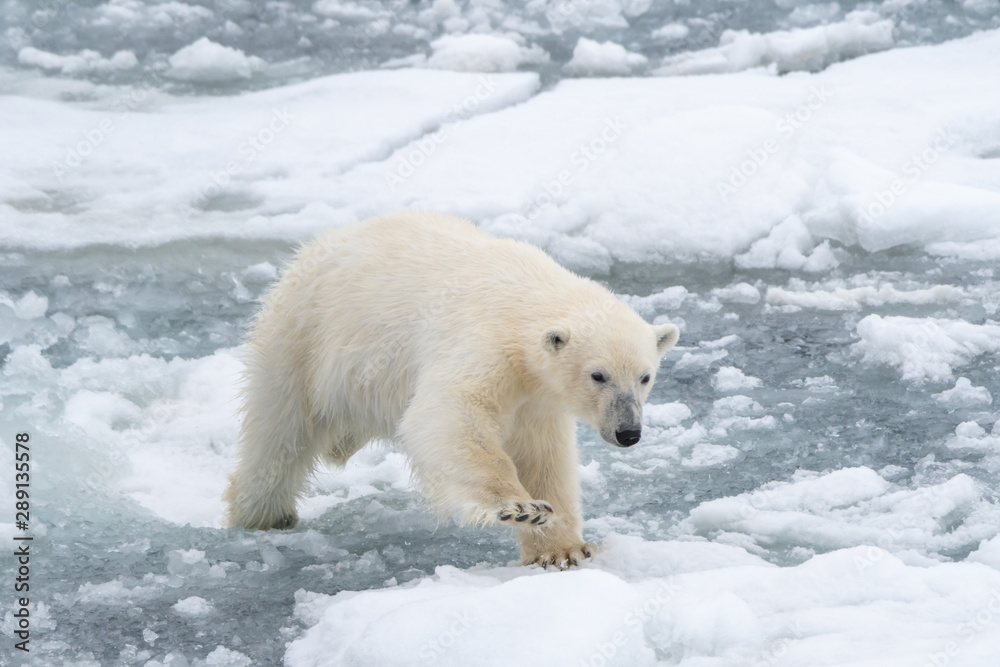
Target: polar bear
{"x": 475, "y": 354}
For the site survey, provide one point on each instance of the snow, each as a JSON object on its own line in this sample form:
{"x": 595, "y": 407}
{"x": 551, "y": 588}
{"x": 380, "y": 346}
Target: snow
{"x": 207, "y": 61}
{"x": 816, "y": 482}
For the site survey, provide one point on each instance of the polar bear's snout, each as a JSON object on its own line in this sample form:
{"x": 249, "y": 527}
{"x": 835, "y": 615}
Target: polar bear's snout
{"x": 623, "y": 420}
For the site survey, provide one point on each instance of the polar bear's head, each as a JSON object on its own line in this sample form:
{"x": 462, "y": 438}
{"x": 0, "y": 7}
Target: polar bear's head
{"x": 604, "y": 368}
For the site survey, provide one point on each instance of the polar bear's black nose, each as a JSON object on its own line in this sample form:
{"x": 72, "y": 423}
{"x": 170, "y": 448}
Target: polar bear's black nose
{"x": 628, "y": 438}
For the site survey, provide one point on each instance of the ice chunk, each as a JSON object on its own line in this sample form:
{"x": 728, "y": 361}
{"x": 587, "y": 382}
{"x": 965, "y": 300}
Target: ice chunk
{"x": 706, "y": 455}
{"x": 964, "y": 394}
{"x": 924, "y": 348}
{"x": 789, "y": 245}
{"x": 670, "y": 298}
{"x": 592, "y": 58}
{"x": 588, "y": 15}
{"x": 84, "y": 62}
{"x": 481, "y": 53}
{"x": 345, "y": 9}
{"x": 970, "y": 435}
{"x": 730, "y": 378}
{"x": 852, "y": 506}
{"x": 226, "y": 657}
{"x": 738, "y": 293}
{"x": 665, "y": 415}
{"x": 129, "y": 15}
{"x": 799, "y": 49}
{"x": 185, "y": 562}
{"x": 738, "y": 405}
{"x": 671, "y": 32}
{"x": 206, "y": 61}
{"x": 988, "y": 553}
{"x": 193, "y": 607}
{"x": 822, "y": 383}
{"x": 699, "y": 360}
{"x": 858, "y": 297}
{"x": 28, "y": 307}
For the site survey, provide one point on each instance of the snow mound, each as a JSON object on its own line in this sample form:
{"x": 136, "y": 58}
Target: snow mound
{"x": 481, "y": 53}
{"x": 924, "y": 348}
{"x": 810, "y": 49}
{"x": 205, "y": 61}
{"x": 592, "y": 58}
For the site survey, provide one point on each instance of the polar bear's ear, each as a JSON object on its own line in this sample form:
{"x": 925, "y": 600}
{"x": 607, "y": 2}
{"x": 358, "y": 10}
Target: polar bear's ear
{"x": 666, "y": 337}
{"x": 555, "y": 339}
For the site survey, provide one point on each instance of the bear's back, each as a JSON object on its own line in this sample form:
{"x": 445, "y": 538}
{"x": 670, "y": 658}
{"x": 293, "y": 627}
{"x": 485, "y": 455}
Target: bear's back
{"x": 445, "y": 256}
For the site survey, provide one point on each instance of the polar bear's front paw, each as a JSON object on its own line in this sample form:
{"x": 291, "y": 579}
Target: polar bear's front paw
{"x": 562, "y": 557}
{"x": 525, "y": 514}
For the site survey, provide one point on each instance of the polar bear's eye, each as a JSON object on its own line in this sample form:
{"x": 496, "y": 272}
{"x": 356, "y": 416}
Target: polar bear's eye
{"x": 645, "y": 379}
{"x": 597, "y": 376}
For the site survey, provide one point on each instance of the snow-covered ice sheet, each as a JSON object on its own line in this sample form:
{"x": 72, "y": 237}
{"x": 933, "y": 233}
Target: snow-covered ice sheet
{"x": 137, "y": 167}
{"x": 694, "y": 167}
{"x": 649, "y": 603}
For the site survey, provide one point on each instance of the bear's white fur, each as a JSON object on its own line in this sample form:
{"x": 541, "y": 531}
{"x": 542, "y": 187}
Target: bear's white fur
{"x": 474, "y": 354}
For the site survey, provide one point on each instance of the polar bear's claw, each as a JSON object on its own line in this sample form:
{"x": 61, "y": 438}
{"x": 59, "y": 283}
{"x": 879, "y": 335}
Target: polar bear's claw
{"x": 562, "y": 557}
{"x": 535, "y": 513}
